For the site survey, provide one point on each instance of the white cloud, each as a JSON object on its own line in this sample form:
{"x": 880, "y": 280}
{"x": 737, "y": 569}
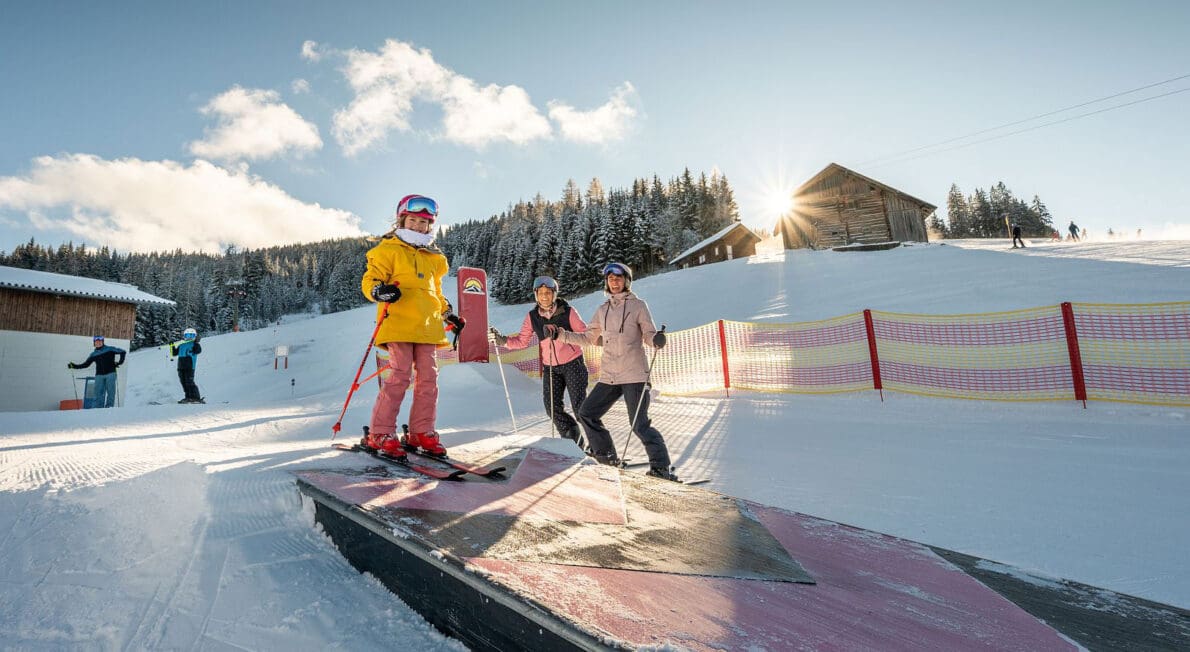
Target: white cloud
{"x": 254, "y": 124}
{"x": 310, "y": 51}
{"x": 386, "y": 83}
{"x": 136, "y": 205}
{"x": 299, "y": 86}
{"x": 607, "y": 123}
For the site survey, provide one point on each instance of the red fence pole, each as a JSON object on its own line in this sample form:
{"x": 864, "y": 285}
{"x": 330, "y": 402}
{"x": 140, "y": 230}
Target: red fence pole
{"x": 723, "y": 355}
{"x": 1076, "y": 358}
{"x": 875, "y": 357}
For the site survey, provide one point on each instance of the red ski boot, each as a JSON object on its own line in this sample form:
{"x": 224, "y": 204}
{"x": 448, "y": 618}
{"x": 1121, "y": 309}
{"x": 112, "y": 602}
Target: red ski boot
{"x": 427, "y": 441}
{"x": 385, "y": 443}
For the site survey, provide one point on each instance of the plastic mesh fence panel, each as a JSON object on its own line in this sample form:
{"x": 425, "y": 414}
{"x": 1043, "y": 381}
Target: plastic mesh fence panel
{"x": 809, "y": 357}
{"x": 1135, "y": 353}
{"x": 1007, "y": 356}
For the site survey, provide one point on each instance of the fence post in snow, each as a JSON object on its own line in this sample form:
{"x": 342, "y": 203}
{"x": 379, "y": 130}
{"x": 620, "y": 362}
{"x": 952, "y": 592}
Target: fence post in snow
{"x": 723, "y": 355}
{"x": 1076, "y": 358}
{"x": 872, "y": 354}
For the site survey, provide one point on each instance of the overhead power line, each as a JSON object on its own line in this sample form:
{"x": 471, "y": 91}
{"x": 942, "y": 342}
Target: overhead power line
{"x": 904, "y": 155}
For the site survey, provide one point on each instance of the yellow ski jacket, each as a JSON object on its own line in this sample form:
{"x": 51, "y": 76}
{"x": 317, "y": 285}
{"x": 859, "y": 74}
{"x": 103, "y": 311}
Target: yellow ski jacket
{"x": 417, "y": 316}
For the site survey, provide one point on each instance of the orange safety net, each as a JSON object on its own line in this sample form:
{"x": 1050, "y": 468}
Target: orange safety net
{"x": 1136, "y": 353}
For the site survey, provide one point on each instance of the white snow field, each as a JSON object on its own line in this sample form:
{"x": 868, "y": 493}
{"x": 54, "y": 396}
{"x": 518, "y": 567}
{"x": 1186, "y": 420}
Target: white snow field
{"x": 179, "y": 526}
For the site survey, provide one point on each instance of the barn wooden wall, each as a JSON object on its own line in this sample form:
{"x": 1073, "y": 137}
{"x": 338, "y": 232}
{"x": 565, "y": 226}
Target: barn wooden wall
{"x": 841, "y": 209}
{"x": 38, "y": 312}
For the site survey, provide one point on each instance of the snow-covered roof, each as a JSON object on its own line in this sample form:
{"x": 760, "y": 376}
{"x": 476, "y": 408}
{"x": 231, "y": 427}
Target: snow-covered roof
{"x": 722, "y": 232}
{"x": 75, "y": 286}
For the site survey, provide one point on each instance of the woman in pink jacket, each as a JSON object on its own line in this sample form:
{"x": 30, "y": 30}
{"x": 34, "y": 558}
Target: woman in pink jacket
{"x": 623, "y": 327}
{"x": 563, "y": 368}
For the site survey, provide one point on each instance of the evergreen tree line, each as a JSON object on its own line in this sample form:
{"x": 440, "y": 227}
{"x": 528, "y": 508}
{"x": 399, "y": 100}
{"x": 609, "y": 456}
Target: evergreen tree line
{"x": 644, "y": 226}
{"x": 982, "y": 214}
{"x": 251, "y": 288}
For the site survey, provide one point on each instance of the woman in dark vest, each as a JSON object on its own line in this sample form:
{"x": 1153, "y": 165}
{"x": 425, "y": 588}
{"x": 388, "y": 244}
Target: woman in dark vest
{"x": 563, "y": 368}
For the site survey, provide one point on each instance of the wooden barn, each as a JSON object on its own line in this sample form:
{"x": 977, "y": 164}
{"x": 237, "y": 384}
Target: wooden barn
{"x": 839, "y": 207}
{"x": 733, "y": 241}
{"x": 48, "y": 320}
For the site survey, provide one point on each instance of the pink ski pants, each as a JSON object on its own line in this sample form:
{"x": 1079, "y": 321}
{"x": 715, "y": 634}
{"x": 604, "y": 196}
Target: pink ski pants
{"x": 406, "y": 358}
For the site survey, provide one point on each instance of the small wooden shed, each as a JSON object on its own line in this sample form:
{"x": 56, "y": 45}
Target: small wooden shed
{"x": 839, "y": 207}
{"x": 47, "y": 320}
{"x": 732, "y": 241}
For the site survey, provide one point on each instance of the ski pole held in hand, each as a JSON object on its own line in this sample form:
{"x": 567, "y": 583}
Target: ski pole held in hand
{"x": 644, "y": 393}
{"x": 355, "y": 383}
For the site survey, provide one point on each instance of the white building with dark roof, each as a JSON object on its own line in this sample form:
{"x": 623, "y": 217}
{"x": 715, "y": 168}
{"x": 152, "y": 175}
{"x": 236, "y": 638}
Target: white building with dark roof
{"x": 48, "y": 320}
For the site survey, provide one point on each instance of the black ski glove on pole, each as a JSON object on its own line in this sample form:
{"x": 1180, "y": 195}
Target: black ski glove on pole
{"x": 386, "y": 293}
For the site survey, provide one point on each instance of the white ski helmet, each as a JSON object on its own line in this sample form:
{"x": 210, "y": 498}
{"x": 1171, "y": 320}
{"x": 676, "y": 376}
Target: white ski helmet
{"x": 189, "y": 334}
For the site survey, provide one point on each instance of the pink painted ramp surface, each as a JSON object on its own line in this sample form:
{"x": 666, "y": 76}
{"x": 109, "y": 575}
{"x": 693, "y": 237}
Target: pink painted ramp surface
{"x": 545, "y": 486}
{"x": 874, "y": 592}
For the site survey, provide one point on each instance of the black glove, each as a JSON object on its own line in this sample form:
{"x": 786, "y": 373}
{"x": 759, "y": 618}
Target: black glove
{"x": 386, "y": 293}
{"x": 456, "y": 323}
{"x": 497, "y": 337}
{"x": 71, "y": 365}
{"x": 659, "y": 340}
{"x": 551, "y": 331}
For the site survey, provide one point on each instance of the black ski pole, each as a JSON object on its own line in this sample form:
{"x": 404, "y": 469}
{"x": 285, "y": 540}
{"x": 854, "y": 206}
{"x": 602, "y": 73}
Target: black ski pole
{"x": 643, "y": 394}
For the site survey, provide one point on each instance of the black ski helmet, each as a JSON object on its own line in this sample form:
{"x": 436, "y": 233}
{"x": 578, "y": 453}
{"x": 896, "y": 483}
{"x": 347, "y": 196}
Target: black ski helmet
{"x": 619, "y": 269}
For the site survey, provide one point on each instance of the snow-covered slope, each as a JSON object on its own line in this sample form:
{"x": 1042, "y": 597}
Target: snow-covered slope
{"x": 170, "y": 526}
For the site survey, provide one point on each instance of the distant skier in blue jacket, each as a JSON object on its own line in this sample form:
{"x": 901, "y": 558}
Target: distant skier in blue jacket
{"x": 186, "y": 351}
{"x": 105, "y": 361}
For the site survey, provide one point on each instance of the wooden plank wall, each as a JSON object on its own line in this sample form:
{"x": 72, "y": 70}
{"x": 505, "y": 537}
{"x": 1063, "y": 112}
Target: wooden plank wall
{"x": 906, "y": 219}
{"x": 841, "y": 209}
{"x": 38, "y": 312}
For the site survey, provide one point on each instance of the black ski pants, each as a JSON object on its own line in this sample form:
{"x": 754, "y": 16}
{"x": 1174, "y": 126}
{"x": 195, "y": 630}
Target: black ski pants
{"x": 555, "y": 382}
{"x": 188, "y": 386}
{"x": 600, "y": 400}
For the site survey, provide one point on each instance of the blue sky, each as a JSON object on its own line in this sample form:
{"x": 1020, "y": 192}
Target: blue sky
{"x": 195, "y": 125}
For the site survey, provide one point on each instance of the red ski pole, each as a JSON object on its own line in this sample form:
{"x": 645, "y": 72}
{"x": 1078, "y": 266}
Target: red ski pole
{"x": 355, "y": 383}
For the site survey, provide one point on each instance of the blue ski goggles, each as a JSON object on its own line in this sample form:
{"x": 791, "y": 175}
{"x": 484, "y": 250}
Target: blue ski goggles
{"x": 615, "y": 268}
{"x": 545, "y": 282}
{"x": 419, "y": 204}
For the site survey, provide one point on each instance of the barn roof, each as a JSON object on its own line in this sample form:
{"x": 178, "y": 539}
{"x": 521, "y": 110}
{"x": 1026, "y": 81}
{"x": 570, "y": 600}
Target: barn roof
{"x": 721, "y": 234}
{"x": 75, "y": 286}
{"x": 833, "y": 167}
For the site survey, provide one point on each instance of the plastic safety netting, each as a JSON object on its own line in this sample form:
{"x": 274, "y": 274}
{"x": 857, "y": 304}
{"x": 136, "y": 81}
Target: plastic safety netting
{"x": 1136, "y": 353}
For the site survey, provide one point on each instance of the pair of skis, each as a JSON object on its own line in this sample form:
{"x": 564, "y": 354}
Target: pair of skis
{"x": 424, "y": 464}
{"x": 625, "y": 464}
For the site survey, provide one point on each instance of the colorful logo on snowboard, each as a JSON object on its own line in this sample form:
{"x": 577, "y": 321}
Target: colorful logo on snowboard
{"x": 473, "y": 286}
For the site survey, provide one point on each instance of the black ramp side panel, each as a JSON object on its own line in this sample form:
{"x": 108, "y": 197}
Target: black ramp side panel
{"x": 1096, "y": 618}
{"x": 451, "y": 605}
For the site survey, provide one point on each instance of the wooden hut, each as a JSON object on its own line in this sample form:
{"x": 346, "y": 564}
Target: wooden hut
{"x": 839, "y": 207}
{"x": 732, "y": 241}
{"x": 47, "y": 320}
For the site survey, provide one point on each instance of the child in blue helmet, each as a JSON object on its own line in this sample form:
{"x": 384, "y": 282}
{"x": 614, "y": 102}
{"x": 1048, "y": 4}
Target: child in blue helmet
{"x": 105, "y": 361}
{"x": 186, "y": 351}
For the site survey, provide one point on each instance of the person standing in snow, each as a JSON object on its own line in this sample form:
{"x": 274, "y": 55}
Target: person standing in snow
{"x": 1016, "y": 236}
{"x": 1073, "y": 228}
{"x": 563, "y": 368}
{"x": 405, "y": 272}
{"x": 105, "y": 361}
{"x": 623, "y": 327}
{"x": 186, "y": 351}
